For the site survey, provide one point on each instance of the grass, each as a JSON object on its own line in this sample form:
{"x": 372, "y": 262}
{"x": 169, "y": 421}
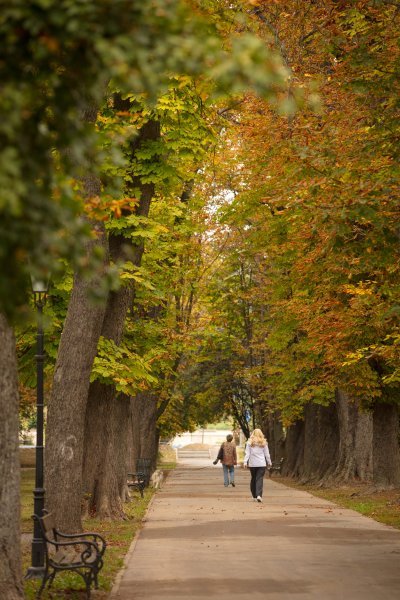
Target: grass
{"x": 167, "y": 458}
{"x": 239, "y": 454}
{"x": 382, "y": 506}
{"x": 27, "y": 485}
{"x": 118, "y": 534}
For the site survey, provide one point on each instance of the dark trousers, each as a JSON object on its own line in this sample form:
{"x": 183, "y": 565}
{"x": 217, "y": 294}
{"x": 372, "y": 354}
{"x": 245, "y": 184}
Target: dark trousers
{"x": 257, "y": 480}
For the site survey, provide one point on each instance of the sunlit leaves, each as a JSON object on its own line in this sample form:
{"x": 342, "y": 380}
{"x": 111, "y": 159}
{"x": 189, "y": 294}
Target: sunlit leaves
{"x": 314, "y": 214}
{"x": 119, "y": 366}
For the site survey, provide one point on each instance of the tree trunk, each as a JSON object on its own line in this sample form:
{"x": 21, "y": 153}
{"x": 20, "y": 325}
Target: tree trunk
{"x": 386, "y": 453}
{"x": 355, "y": 441}
{"x": 104, "y": 470}
{"x": 321, "y": 442}
{"x": 134, "y": 438}
{"x": 66, "y": 410}
{"x": 273, "y": 429}
{"x": 10, "y": 534}
{"x": 146, "y": 426}
{"x": 107, "y": 415}
{"x": 107, "y": 427}
{"x": 294, "y": 450}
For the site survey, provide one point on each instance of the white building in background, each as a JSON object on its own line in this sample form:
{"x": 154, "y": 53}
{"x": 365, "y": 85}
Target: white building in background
{"x": 209, "y": 437}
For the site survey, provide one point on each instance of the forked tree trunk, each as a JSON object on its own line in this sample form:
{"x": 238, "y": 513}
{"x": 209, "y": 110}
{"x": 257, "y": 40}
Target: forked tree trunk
{"x": 67, "y": 406}
{"x": 10, "y": 534}
{"x": 107, "y": 414}
{"x": 386, "y": 452}
{"x": 355, "y": 443}
{"x": 321, "y": 442}
{"x": 107, "y": 427}
{"x": 294, "y": 450}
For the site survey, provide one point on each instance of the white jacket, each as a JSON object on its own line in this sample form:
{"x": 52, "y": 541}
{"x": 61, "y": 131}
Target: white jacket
{"x": 257, "y": 456}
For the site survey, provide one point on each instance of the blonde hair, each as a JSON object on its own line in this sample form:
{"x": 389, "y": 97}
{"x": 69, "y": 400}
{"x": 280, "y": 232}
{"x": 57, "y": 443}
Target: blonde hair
{"x": 257, "y": 438}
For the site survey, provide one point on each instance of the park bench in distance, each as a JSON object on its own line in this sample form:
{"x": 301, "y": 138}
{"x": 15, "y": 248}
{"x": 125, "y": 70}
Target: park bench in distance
{"x": 140, "y": 479}
{"x": 276, "y": 467}
{"x": 137, "y": 481}
{"x": 143, "y": 465}
{"x": 79, "y": 552}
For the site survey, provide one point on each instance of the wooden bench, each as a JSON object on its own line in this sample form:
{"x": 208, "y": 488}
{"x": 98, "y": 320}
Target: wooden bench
{"x": 80, "y": 552}
{"x": 276, "y": 467}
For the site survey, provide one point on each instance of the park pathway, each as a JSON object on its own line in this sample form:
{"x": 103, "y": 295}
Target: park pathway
{"x": 203, "y": 541}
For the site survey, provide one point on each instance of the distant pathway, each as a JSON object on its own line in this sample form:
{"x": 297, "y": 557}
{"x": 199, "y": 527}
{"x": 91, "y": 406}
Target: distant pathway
{"x": 204, "y": 541}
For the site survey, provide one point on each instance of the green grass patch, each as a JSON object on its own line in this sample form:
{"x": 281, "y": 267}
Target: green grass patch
{"x": 27, "y": 485}
{"x": 167, "y": 466}
{"x": 382, "y": 506}
{"x": 118, "y": 534}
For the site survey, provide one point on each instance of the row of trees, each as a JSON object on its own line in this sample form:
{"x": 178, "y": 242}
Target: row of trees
{"x": 303, "y": 305}
{"x": 210, "y": 254}
{"x": 107, "y": 119}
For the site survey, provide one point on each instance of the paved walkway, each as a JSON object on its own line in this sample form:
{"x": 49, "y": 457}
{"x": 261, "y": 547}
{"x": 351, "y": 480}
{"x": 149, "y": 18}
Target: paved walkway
{"x": 203, "y": 541}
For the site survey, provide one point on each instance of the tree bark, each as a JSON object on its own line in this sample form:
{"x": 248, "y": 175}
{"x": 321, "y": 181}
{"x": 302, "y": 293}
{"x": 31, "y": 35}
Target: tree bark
{"x": 321, "y": 442}
{"x": 144, "y": 427}
{"x": 386, "y": 452}
{"x": 294, "y": 450}
{"x": 273, "y": 429}
{"x": 106, "y": 427}
{"x": 105, "y": 451}
{"x": 107, "y": 413}
{"x": 66, "y": 410}
{"x": 355, "y": 442}
{"x": 10, "y": 535}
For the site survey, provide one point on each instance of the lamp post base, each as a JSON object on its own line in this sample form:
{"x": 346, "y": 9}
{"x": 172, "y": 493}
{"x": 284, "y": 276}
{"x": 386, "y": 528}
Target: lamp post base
{"x": 35, "y": 573}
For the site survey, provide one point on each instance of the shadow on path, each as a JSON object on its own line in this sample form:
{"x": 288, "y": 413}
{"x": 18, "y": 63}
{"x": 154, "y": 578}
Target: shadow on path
{"x": 202, "y": 540}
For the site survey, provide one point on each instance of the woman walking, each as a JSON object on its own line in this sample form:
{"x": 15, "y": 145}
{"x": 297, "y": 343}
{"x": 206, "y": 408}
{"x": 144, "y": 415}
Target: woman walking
{"x": 257, "y": 458}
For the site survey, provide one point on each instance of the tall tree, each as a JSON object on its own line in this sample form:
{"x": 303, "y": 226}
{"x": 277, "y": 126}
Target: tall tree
{"x": 107, "y": 412}
{"x": 10, "y": 561}
{"x": 313, "y": 198}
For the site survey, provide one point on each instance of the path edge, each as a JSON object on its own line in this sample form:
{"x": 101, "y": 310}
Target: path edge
{"x": 113, "y": 595}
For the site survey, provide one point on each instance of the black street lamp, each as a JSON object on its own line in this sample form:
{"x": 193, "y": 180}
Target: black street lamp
{"x": 39, "y": 289}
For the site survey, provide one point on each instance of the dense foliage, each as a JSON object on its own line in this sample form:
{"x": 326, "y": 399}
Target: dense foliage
{"x": 307, "y": 288}
{"x": 57, "y": 60}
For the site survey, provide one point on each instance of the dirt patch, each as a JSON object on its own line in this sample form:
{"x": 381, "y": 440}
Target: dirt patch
{"x": 27, "y": 457}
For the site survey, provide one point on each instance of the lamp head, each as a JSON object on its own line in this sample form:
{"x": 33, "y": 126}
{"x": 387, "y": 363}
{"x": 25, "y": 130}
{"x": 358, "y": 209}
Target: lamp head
{"x": 40, "y": 288}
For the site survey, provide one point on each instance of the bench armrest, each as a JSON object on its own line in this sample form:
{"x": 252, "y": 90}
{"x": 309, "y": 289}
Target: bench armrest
{"x": 96, "y": 537}
{"x": 90, "y": 549}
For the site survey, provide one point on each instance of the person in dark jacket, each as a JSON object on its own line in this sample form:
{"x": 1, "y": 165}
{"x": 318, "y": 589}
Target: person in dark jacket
{"x": 228, "y": 458}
